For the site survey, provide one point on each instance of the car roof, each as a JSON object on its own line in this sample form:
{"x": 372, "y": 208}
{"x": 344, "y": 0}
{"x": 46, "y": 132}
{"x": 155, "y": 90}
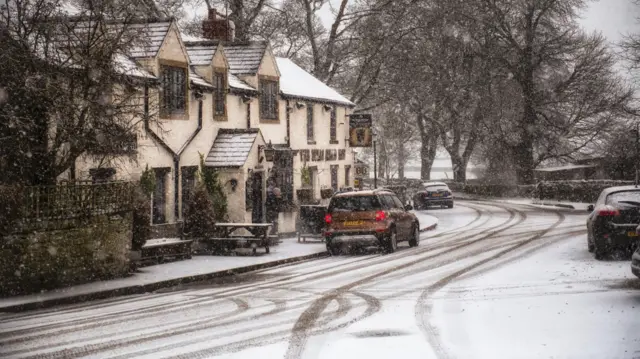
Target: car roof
{"x": 619, "y": 189}
{"x": 364, "y": 193}
{"x": 426, "y": 184}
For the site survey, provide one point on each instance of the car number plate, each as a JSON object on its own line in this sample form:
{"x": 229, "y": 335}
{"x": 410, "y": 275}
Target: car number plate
{"x": 436, "y": 195}
{"x": 632, "y": 234}
{"x": 352, "y": 223}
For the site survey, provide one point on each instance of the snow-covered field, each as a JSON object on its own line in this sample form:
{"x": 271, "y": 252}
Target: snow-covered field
{"x": 494, "y": 280}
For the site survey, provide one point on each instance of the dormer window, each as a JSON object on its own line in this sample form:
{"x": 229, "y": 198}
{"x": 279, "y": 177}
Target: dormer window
{"x": 173, "y": 98}
{"x": 219, "y": 94}
{"x": 268, "y": 99}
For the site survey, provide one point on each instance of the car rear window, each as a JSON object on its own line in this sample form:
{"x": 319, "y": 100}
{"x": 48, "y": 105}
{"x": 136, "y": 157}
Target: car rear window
{"x": 354, "y": 204}
{"x": 437, "y": 188}
{"x": 615, "y": 197}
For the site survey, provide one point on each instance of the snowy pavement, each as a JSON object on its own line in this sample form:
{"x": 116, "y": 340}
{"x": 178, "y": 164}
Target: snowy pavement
{"x": 494, "y": 280}
{"x": 155, "y": 275}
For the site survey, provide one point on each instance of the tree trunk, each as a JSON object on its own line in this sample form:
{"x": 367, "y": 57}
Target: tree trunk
{"x": 401, "y": 159}
{"x": 459, "y": 165}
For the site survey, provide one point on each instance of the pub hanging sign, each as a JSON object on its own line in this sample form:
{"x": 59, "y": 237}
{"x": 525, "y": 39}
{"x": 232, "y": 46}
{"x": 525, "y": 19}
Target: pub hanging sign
{"x": 360, "y": 130}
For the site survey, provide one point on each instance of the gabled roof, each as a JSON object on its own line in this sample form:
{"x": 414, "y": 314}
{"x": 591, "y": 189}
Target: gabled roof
{"x": 152, "y": 35}
{"x": 295, "y": 82}
{"x": 231, "y": 147}
{"x": 245, "y": 58}
{"x": 200, "y": 53}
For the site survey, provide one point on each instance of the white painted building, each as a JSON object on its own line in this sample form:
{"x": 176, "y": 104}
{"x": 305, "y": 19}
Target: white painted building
{"x": 231, "y": 102}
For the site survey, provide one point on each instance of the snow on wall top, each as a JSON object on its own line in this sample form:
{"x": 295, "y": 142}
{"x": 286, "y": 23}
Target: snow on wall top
{"x": 245, "y": 58}
{"x": 129, "y": 67}
{"x": 236, "y": 83}
{"x": 296, "y": 82}
{"x": 231, "y": 147}
{"x": 200, "y": 54}
{"x": 198, "y": 81}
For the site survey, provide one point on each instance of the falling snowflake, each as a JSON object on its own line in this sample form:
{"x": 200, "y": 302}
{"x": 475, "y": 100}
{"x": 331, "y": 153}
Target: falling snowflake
{"x": 52, "y": 251}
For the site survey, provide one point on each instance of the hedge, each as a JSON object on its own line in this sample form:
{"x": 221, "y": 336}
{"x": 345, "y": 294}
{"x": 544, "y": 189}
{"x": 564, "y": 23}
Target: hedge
{"x": 572, "y": 191}
{"x": 575, "y": 191}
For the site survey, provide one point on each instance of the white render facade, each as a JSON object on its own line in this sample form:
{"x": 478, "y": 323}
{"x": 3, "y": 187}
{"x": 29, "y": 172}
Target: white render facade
{"x": 229, "y": 101}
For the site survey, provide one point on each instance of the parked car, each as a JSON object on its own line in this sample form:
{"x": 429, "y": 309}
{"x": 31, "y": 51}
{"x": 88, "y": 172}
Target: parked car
{"x": 613, "y": 220}
{"x": 433, "y": 194}
{"x": 635, "y": 261}
{"x": 375, "y": 217}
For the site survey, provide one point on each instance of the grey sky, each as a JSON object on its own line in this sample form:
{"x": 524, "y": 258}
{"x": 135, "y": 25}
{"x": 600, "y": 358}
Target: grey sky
{"x": 612, "y": 17}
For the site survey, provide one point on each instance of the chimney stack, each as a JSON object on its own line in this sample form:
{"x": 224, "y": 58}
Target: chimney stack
{"x": 217, "y": 27}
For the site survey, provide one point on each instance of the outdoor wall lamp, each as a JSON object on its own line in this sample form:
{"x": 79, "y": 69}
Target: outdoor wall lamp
{"x": 234, "y": 184}
{"x": 268, "y": 150}
{"x": 300, "y": 105}
{"x": 327, "y": 108}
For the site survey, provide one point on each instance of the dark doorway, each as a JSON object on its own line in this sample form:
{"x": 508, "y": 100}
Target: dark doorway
{"x": 256, "y": 198}
{"x": 159, "y": 196}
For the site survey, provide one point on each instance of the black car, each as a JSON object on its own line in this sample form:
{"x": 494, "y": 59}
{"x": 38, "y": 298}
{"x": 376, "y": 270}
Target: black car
{"x": 613, "y": 220}
{"x": 433, "y": 194}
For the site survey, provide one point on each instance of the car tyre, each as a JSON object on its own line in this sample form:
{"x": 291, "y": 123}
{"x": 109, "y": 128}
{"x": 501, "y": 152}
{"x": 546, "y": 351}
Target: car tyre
{"x": 414, "y": 240}
{"x": 590, "y": 246}
{"x": 333, "y": 249}
{"x": 392, "y": 241}
{"x": 450, "y": 205}
{"x": 599, "y": 252}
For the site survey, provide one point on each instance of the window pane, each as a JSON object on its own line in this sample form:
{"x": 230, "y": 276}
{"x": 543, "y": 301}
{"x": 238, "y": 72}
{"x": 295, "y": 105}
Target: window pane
{"x": 333, "y": 124}
{"x": 355, "y": 203}
{"x": 310, "y": 122}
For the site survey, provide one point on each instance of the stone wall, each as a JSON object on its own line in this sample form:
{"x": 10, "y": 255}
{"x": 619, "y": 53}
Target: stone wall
{"x": 94, "y": 249}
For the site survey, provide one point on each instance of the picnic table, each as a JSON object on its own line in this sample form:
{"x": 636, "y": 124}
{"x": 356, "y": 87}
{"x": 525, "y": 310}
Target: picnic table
{"x": 259, "y": 235}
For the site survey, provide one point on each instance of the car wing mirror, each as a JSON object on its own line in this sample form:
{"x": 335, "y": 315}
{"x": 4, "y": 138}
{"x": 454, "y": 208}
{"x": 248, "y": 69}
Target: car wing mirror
{"x": 408, "y": 207}
{"x": 590, "y": 208}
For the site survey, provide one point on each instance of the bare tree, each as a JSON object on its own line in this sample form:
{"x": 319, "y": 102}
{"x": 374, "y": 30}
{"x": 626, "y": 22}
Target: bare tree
{"x": 69, "y": 87}
{"x": 568, "y": 89}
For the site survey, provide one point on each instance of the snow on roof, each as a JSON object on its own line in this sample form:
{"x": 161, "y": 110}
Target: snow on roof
{"x": 236, "y": 83}
{"x": 126, "y": 66}
{"x": 191, "y": 38}
{"x": 563, "y": 168}
{"x": 231, "y": 147}
{"x": 199, "y": 81}
{"x": 245, "y": 58}
{"x": 200, "y": 54}
{"x": 296, "y": 82}
{"x": 152, "y": 36}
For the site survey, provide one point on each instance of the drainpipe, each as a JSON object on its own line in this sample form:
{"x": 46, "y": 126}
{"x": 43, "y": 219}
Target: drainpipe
{"x": 287, "y": 110}
{"x": 176, "y": 156}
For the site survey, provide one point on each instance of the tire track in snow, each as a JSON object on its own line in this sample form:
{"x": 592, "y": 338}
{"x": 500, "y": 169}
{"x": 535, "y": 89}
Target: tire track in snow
{"x": 423, "y": 309}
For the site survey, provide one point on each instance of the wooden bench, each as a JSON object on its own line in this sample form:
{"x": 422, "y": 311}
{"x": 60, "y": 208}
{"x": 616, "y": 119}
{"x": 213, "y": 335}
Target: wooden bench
{"x": 259, "y": 236}
{"x": 166, "y": 247}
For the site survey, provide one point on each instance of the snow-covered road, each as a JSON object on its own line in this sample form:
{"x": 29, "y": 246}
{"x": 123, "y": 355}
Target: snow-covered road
{"x": 494, "y": 280}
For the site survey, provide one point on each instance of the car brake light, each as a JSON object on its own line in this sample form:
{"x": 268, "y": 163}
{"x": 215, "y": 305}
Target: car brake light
{"x": 328, "y": 219}
{"x": 608, "y": 211}
{"x": 380, "y": 216}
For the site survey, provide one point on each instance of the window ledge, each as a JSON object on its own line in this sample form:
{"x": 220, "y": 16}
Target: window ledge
{"x": 269, "y": 120}
{"x": 220, "y": 118}
{"x": 334, "y": 142}
{"x": 311, "y": 142}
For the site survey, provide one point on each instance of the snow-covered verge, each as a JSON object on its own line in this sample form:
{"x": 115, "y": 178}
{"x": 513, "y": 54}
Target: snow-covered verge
{"x": 168, "y": 274}
{"x": 427, "y": 222}
{"x": 579, "y": 206}
{"x": 557, "y": 303}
